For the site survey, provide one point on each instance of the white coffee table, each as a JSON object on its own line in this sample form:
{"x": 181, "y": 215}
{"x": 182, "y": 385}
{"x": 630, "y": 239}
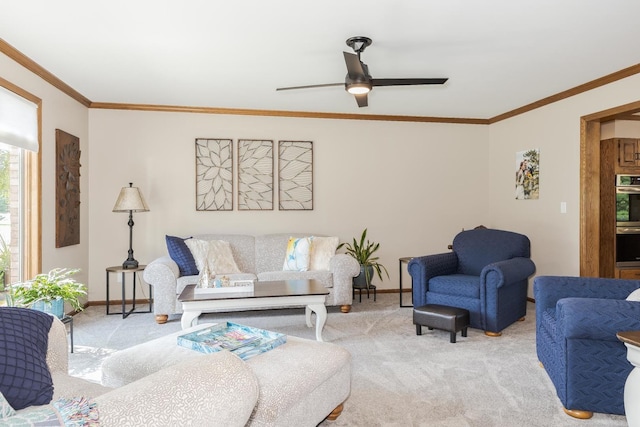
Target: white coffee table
{"x": 276, "y": 294}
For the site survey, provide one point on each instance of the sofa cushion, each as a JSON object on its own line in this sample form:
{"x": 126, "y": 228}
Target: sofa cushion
{"x": 25, "y": 379}
{"x": 322, "y": 249}
{"x": 456, "y": 284}
{"x": 296, "y": 257}
{"x": 215, "y": 253}
{"x": 180, "y": 253}
{"x": 325, "y": 277}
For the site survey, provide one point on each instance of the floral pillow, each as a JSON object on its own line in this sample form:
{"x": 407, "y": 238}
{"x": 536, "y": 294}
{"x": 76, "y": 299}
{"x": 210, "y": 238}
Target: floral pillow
{"x": 297, "y": 256}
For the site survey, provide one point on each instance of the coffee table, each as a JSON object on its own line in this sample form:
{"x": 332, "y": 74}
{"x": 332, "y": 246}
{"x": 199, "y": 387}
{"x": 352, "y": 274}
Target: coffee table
{"x": 275, "y": 294}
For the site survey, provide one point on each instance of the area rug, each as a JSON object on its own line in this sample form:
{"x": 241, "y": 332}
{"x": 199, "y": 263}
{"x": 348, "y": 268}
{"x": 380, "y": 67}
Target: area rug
{"x": 398, "y": 378}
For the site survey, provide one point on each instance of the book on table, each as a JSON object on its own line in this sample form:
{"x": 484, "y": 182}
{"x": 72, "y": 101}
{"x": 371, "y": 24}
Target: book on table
{"x": 244, "y": 341}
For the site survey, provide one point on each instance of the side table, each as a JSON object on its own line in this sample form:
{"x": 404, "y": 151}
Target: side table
{"x": 405, "y": 260}
{"x": 631, "y": 339}
{"x": 119, "y": 269}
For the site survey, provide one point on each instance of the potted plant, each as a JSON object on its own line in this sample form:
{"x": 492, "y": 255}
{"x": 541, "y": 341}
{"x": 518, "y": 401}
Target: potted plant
{"x": 363, "y": 251}
{"x": 48, "y": 292}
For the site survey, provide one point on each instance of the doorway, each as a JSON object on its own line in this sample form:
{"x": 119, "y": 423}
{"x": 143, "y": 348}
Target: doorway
{"x": 590, "y": 244}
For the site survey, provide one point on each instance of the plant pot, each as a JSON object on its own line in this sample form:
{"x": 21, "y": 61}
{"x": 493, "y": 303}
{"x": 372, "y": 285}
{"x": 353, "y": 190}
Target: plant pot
{"x": 55, "y": 307}
{"x": 360, "y": 281}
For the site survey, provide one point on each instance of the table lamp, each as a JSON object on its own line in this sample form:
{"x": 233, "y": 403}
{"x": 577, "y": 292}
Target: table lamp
{"x": 130, "y": 200}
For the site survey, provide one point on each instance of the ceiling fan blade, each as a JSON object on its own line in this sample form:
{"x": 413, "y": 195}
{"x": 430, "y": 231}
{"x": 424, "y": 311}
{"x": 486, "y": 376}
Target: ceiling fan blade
{"x": 408, "y": 82}
{"x": 362, "y": 100}
{"x": 354, "y": 66}
{"x": 310, "y": 86}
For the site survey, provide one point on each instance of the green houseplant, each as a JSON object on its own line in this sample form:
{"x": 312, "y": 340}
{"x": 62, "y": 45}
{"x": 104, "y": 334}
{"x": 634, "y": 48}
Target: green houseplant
{"x": 363, "y": 251}
{"x": 48, "y": 291}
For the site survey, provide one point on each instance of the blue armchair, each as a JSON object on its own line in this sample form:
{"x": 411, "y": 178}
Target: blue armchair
{"x": 486, "y": 273}
{"x": 577, "y": 319}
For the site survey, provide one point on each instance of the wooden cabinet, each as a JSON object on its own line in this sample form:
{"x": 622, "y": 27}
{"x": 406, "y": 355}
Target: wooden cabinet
{"x": 628, "y": 152}
{"x": 629, "y": 273}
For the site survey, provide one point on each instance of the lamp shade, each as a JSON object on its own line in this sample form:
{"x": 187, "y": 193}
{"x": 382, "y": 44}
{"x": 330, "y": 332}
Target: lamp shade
{"x": 130, "y": 199}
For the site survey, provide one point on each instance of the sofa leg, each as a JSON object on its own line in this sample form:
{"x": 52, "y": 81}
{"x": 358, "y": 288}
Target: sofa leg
{"x": 345, "y": 308}
{"x": 492, "y": 334}
{"x": 161, "y": 319}
{"x": 577, "y": 413}
{"x": 522, "y": 319}
{"x": 336, "y": 412}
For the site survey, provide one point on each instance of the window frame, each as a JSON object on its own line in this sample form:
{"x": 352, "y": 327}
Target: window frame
{"x": 32, "y": 215}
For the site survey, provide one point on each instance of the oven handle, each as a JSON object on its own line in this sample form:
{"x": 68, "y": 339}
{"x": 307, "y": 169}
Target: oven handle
{"x": 627, "y": 230}
{"x": 627, "y": 190}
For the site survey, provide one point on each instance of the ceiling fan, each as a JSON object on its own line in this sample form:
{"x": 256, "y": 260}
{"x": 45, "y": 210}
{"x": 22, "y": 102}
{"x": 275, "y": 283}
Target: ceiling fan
{"x": 359, "y": 82}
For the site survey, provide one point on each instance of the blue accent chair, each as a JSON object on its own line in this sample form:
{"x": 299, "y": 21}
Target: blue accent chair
{"x": 486, "y": 273}
{"x": 577, "y": 319}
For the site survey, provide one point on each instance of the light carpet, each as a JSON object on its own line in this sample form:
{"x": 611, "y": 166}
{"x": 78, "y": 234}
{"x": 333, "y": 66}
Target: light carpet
{"x": 399, "y": 378}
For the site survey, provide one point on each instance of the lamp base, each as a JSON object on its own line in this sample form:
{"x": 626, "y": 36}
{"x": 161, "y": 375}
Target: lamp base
{"x": 130, "y": 263}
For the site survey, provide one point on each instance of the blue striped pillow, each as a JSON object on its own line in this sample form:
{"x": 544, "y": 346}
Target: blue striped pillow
{"x": 180, "y": 253}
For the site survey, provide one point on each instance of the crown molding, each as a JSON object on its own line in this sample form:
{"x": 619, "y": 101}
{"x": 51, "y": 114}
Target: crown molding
{"x": 280, "y": 113}
{"x": 32, "y": 66}
{"x": 36, "y": 69}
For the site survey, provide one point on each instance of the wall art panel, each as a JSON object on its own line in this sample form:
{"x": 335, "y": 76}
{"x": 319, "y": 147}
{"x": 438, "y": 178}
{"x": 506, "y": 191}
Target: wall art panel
{"x": 295, "y": 173}
{"x": 214, "y": 174}
{"x": 255, "y": 174}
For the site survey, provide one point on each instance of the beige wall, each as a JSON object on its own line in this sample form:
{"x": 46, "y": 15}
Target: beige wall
{"x": 412, "y": 185}
{"x": 58, "y": 112}
{"x": 555, "y": 130}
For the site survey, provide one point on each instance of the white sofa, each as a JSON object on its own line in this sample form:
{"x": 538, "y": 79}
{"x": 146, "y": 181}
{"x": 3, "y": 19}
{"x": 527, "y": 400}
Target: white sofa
{"x": 220, "y": 391}
{"x": 257, "y": 257}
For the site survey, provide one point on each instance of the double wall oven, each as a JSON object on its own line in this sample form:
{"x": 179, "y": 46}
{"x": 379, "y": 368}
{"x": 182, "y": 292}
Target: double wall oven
{"x": 627, "y": 220}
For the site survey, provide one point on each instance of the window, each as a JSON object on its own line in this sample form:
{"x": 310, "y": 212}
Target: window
{"x": 20, "y": 184}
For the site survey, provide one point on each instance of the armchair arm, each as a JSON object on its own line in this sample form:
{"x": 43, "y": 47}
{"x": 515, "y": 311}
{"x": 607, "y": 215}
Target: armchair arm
{"x": 424, "y": 268}
{"x": 597, "y": 318}
{"x": 163, "y": 274}
{"x": 343, "y": 268}
{"x": 217, "y": 389}
{"x": 504, "y": 273}
{"x": 548, "y": 290}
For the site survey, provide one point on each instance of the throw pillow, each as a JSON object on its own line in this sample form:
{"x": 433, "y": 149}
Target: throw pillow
{"x": 297, "y": 256}
{"x": 180, "y": 253}
{"x": 322, "y": 249}
{"x": 25, "y": 379}
{"x": 215, "y": 253}
{"x": 634, "y": 296}
{"x": 77, "y": 411}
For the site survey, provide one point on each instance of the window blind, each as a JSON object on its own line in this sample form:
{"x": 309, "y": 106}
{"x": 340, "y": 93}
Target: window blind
{"x": 18, "y": 121}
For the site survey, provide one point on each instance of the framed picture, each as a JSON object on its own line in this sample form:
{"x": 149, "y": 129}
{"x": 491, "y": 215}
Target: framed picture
{"x": 295, "y": 174}
{"x": 214, "y": 174}
{"x": 67, "y": 189}
{"x": 255, "y": 174}
{"x": 528, "y": 174}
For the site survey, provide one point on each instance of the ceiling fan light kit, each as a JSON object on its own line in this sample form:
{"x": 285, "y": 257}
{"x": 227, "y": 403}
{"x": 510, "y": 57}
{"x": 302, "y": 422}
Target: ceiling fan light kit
{"x": 359, "y": 82}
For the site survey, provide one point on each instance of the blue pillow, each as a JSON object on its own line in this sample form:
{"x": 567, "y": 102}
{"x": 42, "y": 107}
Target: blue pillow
{"x": 25, "y": 379}
{"x": 180, "y": 253}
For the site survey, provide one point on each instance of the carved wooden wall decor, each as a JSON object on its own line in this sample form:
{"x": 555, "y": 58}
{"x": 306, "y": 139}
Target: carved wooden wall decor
{"x": 67, "y": 189}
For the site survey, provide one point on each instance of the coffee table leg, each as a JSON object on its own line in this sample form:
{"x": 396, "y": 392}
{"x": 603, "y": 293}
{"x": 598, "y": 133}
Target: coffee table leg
{"x": 321, "y": 318}
{"x": 190, "y": 318}
{"x": 307, "y": 314}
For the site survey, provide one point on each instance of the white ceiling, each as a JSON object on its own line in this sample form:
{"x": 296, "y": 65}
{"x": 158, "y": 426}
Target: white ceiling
{"x": 498, "y": 54}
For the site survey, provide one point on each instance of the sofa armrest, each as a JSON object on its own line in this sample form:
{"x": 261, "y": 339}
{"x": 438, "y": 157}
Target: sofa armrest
{"x": 163, "y": 273}
{"x": 343, "y": 268}
{"x": 217, "y": 389}
{"x": 424, "y": 268}
{"x": 597, "y": 318}
{"x": 507, "y": 272}
{"x": 548, "y": 290}
{"x": 57, "y": 349}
